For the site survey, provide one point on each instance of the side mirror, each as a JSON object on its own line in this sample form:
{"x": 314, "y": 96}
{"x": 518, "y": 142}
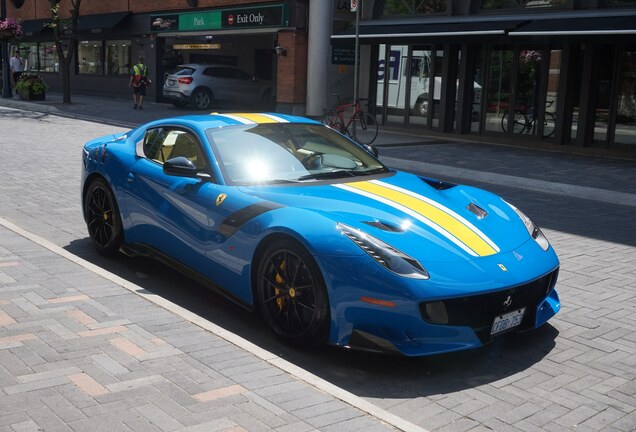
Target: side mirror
{"x": 180, "y": 166}
{"x": 371, "y": 149}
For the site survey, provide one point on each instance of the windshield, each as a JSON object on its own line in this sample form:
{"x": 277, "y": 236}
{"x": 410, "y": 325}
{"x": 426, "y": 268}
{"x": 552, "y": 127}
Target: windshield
{"x": 288, "y": 153}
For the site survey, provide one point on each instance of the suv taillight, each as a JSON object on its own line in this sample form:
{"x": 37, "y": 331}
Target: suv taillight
{"x": 187, "y": 80}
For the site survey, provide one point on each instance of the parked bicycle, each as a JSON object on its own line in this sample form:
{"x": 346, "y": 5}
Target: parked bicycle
{"x": 360, "y": 125}
{"x": 524, "y": 121}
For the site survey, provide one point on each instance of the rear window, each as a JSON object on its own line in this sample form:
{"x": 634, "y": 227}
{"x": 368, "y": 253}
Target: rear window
{"x": 183, "y": 71}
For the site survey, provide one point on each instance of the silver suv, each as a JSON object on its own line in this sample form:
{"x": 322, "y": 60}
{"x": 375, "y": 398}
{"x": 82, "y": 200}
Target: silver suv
{"x": 201, "y": 85}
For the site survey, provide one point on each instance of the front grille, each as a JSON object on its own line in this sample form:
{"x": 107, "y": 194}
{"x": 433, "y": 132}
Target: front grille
{"x": 479, "y": 311}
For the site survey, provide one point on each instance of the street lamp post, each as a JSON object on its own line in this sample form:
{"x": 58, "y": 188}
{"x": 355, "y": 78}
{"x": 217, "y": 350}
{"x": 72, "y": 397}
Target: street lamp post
{"x": 6, "y": 80}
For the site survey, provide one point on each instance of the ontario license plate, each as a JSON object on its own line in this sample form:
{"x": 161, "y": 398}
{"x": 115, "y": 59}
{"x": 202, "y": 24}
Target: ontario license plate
{"x": 507, "y": 321}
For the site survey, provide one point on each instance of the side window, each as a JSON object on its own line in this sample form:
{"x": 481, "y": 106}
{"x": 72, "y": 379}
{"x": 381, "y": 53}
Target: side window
{"x": 162, "y": 144}
{"x": 152, "y": 143}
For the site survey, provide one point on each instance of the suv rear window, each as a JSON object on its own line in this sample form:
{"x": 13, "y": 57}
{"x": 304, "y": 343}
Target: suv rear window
{"x": 183, "y": 71}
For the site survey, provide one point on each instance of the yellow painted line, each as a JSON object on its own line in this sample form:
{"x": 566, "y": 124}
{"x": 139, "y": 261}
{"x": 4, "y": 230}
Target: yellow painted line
{"x": 436, "y": 215}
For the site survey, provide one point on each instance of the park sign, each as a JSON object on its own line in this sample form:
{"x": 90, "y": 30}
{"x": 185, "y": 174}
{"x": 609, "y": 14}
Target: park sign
{"x": 221, "y": 19}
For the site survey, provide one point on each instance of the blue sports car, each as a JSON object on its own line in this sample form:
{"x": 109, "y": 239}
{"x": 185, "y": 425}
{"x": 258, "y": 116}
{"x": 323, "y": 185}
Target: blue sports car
{"x": 288, "y": 217}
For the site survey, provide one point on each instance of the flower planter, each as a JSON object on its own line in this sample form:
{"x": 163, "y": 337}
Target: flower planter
{"x": 29, "y": 95}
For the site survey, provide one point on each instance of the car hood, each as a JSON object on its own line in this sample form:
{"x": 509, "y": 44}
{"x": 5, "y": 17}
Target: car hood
{"x": 420, "y": 217}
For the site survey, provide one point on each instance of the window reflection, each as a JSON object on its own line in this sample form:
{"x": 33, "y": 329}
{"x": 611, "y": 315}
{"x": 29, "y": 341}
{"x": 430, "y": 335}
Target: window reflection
{"x": 626, "y": 110}
{"x": 89, "y": 54}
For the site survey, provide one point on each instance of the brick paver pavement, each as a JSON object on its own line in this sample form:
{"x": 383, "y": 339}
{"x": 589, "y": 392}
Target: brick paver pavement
{"x": 578, "y": 373}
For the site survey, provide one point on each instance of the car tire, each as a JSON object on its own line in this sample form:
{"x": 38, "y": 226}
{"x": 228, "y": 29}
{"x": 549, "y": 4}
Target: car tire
{"x": 291, "y": 294}
{"x": 202, "y": 98}
{"x": 421, "y": 107}
{"x": 103, "y": 220}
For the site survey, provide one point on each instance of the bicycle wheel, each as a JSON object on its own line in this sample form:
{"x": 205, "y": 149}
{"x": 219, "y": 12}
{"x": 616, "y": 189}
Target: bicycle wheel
{"x": 519, "y": 122}
{"x": 366, "y": 128}
{"x": 549, "y": 123}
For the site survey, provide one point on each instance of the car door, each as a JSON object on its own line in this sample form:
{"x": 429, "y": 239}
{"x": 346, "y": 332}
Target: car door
{"x": 170, "y": 213}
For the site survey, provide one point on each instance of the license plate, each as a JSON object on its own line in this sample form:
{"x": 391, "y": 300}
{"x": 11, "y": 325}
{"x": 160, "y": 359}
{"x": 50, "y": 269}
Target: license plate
{"x": 170, "y": 82}
{"x": 507, "y": 321}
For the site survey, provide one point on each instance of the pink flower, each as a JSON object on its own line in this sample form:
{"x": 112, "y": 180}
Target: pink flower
{"x": 529, "y": 56}
{"x": 11, "y": 25}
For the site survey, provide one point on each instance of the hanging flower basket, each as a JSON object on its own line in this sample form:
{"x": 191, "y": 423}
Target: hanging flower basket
{"x": 10, "y": 28}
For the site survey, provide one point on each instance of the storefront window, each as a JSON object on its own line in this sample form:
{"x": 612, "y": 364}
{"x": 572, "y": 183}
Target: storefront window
{"x": 117, "y": 57}
{"x": 521, "y": 4}
{"x": 38, "y": 56}
{"x": 478, "y": 88}
{"x": 625, "y": 132}
{"x": 412, "y": 7}
{"x": 498, "y": 97}
{"x": 89, "y": 54}
{"x": 47, "y": 55}
{"x": 421, "y": 69}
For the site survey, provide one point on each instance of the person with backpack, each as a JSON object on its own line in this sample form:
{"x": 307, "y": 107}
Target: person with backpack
{"x": 139, "y": 81}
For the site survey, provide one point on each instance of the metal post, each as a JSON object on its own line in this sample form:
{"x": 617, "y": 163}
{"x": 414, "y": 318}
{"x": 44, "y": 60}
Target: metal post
{"x": 6, "y": 79}
{"x": 356, "y": 62}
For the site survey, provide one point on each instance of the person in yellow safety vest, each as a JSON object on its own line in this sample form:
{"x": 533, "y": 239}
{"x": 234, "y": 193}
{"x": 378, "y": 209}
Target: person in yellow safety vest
{"x": 139, "y": 81}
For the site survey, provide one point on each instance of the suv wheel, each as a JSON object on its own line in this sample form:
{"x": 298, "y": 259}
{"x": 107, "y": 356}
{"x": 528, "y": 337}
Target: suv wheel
{"x": 202, "y": 98}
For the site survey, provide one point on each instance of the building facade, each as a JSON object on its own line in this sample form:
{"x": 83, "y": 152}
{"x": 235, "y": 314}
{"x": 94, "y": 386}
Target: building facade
{"x": 542, "y": 72}
{"x": 112, "y": 34}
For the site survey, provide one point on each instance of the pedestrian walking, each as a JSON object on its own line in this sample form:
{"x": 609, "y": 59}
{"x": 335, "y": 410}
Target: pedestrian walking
{"x": 139, "y": 81}
{"x": 16, "y": 63}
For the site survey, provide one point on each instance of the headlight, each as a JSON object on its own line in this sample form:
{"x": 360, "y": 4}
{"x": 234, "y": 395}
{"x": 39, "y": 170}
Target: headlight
{"x": 385, "y": 255}
{"x": 533, "y": 230}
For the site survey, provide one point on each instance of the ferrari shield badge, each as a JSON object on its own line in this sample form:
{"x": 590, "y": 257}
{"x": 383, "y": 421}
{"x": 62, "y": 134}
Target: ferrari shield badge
{"x": 220, "y": 199}
{"x": 501, "y": 266}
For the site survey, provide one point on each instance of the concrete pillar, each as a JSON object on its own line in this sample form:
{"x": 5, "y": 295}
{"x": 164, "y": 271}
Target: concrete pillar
{"x": 318, "y": 56}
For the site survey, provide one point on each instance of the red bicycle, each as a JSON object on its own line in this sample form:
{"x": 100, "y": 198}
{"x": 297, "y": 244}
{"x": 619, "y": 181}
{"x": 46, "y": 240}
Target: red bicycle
{"x": 359, "y": 124}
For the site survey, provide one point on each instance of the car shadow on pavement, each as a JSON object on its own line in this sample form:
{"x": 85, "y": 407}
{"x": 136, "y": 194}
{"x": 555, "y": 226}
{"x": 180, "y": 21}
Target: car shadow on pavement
{"x": 365, "y": 374}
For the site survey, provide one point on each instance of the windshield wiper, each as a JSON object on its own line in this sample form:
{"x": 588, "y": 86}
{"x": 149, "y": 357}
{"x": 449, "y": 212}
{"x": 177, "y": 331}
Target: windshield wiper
{"x": 326, "y": 175}
{"x": 339, "y": 174}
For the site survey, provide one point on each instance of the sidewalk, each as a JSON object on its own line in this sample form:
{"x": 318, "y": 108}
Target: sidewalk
{"x": 82, "y": 350}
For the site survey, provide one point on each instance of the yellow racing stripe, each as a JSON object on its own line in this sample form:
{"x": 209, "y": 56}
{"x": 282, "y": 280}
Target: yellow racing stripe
{"x": 439, "y": 217}
{"x": 256, "y": 118}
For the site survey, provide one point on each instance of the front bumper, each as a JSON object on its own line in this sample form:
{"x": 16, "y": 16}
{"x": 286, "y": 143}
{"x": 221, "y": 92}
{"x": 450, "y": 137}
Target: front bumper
{"x": 473, "y": 294}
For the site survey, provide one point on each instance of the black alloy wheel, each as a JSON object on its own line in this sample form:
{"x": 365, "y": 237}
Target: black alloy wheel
{"x": 291, "y": 294}
{"x": 102, "y": 218}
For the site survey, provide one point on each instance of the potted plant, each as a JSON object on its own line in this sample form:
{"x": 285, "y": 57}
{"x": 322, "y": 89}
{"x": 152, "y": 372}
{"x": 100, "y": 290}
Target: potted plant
{"x": 31, "y": 87}
{"x": 10, "y": 28}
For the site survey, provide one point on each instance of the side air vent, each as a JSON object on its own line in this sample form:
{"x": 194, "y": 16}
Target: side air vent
{"x": 384, "y": 226}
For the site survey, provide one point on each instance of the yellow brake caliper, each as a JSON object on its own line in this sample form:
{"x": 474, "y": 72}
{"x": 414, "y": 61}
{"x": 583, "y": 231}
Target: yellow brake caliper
{"x": 280, "y": 281}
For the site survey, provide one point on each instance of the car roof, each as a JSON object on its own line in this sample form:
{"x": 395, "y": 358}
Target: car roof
{"x": 198, "y": 65}
{"x": 218, "y": 120}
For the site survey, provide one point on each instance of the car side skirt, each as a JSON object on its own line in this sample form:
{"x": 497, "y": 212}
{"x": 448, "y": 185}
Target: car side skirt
{"x": 143, "y": 250}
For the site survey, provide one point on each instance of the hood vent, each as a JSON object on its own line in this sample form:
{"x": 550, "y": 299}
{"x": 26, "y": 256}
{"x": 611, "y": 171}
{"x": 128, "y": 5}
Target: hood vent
{"x": 477, "y": 211}
{"x": 438, "y": 184}
{"x": 384, "y": 226}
